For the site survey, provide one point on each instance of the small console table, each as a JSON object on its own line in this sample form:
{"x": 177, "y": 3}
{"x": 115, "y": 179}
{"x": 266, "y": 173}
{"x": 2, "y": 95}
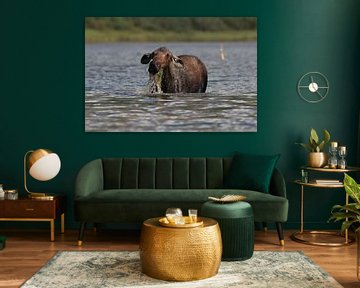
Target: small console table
{"x": 27, "y": 209}
{"x": 297, "y": 235}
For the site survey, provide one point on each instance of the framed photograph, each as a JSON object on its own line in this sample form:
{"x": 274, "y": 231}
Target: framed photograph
{"x": 170, "y": 74}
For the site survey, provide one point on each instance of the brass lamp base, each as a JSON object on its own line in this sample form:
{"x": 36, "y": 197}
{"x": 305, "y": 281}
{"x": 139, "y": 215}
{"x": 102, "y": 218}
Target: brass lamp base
{"x": 41, "y": 196}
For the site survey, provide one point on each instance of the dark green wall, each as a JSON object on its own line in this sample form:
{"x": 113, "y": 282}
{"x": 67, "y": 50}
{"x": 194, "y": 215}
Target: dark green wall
{"x": 42, "y": 88}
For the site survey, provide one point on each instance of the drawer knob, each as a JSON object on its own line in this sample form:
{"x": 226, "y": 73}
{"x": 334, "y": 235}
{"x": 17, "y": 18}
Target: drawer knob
{"x": 29, "y": 209}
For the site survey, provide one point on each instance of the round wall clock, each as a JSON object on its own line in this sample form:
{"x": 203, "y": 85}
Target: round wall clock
{"x": 313, "y": 87}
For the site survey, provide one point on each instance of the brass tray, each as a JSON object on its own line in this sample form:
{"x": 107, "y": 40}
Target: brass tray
{"x": 228, "y": 198}
{"x": 165, "y": 222}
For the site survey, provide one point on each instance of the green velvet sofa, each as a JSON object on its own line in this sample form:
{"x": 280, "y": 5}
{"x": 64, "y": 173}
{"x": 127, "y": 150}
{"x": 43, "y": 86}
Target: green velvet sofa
{"x": 130, "y": 190}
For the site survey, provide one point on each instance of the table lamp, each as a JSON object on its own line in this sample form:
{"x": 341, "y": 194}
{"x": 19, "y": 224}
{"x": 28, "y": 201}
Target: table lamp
{"x": 43, "y": 165}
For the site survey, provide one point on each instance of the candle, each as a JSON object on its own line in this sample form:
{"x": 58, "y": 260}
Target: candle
{"x": 342, "y": 154}
{"x": 333, "y": 144}
{"x": 342, "y": 149}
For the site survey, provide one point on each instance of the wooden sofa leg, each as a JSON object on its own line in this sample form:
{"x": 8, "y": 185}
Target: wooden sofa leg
{"x": 280, "y": 233}
{"x": 81, "y": 233}
{"x": 265, "y": 227}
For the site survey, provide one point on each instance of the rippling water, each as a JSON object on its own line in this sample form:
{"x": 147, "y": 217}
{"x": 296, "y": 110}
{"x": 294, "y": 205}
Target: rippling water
{"x": 116, "y": 97}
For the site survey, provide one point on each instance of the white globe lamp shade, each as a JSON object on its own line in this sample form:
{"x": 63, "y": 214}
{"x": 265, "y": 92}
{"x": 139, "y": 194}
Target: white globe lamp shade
{"x": 44, "y": 164}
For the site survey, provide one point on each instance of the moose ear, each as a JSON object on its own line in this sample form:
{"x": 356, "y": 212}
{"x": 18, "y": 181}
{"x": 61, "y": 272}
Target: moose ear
{"x": 145, "y": 59}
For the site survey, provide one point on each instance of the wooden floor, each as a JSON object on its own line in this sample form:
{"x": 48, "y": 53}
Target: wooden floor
{"x": 28, "y": 250}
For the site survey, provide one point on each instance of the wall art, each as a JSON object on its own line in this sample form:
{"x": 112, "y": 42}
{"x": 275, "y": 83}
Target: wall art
{"x": 170, "y": 74}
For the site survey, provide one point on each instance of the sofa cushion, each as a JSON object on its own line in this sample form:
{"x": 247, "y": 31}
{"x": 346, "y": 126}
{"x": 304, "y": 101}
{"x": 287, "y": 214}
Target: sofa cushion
{"x": 251, "y": 172}
{"x": 170, "y": 195}
{"x": 266, "y": 207}
{"x": 164, "y": 173}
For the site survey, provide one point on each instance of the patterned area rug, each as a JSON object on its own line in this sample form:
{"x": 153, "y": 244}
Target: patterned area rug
{"x": 122, "y": 269}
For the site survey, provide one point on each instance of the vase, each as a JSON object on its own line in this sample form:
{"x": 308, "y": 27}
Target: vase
{"x": 317, "y": 159}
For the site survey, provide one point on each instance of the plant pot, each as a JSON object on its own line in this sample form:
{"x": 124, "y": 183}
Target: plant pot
{"x": 317, "y": 159}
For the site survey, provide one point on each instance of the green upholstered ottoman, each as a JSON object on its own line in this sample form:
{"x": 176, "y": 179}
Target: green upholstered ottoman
{"x": 236, "y": 221}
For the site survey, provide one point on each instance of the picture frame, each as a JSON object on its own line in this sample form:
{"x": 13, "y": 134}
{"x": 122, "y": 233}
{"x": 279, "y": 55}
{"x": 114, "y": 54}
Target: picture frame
{"x": 121, "y": 95}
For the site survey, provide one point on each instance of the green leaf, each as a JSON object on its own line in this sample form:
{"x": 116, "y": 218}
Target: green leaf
{"x": 346, "y": 225}
{"x": 345, "y": 213}
{"x": 343, "y": 217}
{"x": 321, "y": 146}
{"x": 306, "y": 146}
{"x": 313, "y": 145}
{"x": 336, "y": 216}
{"x": 326, "y": 136}
{"x": 352, "y": 188}
{"x": 349, "y": 213}
{"x": 314, "y": 136}
{"x": 352, "y": 207}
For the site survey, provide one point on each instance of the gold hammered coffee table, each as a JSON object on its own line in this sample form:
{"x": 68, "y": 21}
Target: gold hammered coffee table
{"x": 180, "y": 254}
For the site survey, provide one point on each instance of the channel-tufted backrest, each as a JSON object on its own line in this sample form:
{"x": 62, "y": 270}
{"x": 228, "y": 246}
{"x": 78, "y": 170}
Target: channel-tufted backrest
{"x": 165, "y": 173}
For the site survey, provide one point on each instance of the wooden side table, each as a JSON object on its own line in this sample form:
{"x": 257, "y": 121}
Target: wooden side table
{"x": 27, "y": 209}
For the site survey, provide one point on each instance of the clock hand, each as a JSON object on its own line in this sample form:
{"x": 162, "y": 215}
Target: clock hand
{"x": 312, "y": 79}
{"x": 313, "y": 87}
{"x": 321, "y": 96}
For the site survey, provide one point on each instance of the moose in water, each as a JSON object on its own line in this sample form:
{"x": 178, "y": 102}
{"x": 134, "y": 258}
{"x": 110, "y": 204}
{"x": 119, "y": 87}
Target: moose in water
{"x": 175, "y": 74}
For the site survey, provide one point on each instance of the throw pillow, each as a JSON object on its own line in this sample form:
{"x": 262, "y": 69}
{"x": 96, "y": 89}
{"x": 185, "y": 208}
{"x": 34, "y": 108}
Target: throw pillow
{"x": 251, "y": 172}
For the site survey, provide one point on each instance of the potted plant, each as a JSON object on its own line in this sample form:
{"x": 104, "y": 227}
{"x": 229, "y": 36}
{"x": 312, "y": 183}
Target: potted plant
{"x": 317, "y": 157}
{"x": 350, "y": 213}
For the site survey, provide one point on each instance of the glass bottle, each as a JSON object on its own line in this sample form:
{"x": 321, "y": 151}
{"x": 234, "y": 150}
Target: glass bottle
{"x": 304, "y": 176}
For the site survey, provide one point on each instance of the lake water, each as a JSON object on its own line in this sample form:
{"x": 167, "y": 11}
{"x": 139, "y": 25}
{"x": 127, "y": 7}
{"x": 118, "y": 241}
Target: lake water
{"x": 117, "y": 97}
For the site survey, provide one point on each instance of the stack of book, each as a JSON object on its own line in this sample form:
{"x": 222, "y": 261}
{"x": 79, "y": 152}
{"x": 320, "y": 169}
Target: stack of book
{"x": 327, "y": 181}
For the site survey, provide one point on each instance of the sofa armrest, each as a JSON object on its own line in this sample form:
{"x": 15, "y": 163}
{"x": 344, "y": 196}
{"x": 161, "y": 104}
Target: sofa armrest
{"x": 89, "y": 179}
{"x": 277, "y": 184}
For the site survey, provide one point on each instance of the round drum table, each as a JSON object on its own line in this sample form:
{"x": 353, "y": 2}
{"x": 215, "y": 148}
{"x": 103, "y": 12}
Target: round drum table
{"x": 180, "y": 254}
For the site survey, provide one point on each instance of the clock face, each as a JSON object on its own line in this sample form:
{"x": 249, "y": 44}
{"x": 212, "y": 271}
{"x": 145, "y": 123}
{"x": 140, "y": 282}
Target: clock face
{"x": 313, "y": 87}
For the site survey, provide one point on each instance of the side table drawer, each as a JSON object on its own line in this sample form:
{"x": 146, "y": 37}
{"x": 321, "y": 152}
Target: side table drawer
{"x": 29, "y": 209}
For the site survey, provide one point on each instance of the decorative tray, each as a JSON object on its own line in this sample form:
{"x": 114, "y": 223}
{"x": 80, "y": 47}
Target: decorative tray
{"x": 228, "y": 198}
{"x": 165, "y": 222}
